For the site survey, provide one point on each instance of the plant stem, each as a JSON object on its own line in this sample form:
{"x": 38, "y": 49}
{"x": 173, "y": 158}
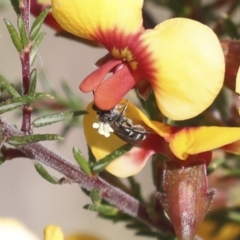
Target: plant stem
{"x": 25, "y": 13}
{"x": 25, "y": 62}
{"x": 111, "y": 194}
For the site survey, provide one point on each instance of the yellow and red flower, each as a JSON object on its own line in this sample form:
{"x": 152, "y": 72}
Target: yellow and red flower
{"x": 181, "y": 144}
{"x": 181, "y": 59}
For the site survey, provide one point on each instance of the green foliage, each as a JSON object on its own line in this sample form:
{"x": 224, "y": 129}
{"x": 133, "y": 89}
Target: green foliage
{"x": 95, "y": 196}
{"x": 23, "y": 32}
{"x": 101, "y": 164}
{"x": 33, "y": 81}
{"x": 55, "y": 117}
{"x": 230, "y": 27}
{"x": 104, "y": 209}
{"x": 66, "y": 108}
{"x": 136, "y": 189}
{"x": 234, "y": 215}
{"x": 71, "y": 101}
{"x": 7, "y": 86}
{"x": 2, "y": 160}
{"x": 91, "y": 157}
{"x": 35, "y": 47}
{"x": 109, "y": 212}
{"x": 9, "y": 106}
{"x": 16, "y": 102}
{"x": 82, "y": 162}
{"x": 43, "y": 173}
{"x": 15, "y": 4}
{"x": 28, "y": 139}
{"x": 37, "y": 24}
{"x": 14, "y": 35}
{"x": 223, "y": 218}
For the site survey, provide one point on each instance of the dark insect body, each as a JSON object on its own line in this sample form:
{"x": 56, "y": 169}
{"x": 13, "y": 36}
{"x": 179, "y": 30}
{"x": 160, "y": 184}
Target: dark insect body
{"x": 122, "y": 126}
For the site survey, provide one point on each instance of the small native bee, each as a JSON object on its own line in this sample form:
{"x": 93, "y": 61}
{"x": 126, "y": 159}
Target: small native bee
{"x": 116, "y": 122}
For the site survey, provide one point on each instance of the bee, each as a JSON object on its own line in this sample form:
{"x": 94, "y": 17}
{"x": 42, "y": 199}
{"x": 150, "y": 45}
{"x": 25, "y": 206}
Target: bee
{"x": 115, "y": 121}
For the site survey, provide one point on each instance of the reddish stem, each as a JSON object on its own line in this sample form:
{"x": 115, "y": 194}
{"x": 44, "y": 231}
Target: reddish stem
{"x": 111, "y": 194}
{"x": 25, "y": 62}
{"x": 24, "y": 7}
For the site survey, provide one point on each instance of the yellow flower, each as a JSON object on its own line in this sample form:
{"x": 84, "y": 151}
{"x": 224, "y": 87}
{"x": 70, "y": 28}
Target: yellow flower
{"x": 52, "y": 232}
{"x": 229, "y": 231}
{"x": 177, "y": 143}
{"x": 81, "y": 236}
{"x": 181, "y": 59}
{"x": 12, "y": 229}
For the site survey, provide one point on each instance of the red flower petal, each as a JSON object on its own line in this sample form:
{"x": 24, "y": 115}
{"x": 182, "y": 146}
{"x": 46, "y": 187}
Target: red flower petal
{"x": 93, "y": 80}
{"x": 111, "y": 91}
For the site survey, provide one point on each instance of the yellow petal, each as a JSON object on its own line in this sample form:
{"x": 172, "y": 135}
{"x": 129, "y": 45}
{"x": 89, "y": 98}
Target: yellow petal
{"x": 52, "y": 232}
{"x": 100, "y": 145}
{"x": 130, "y": 163}
{"x": 91, "y": 18}
{"x": 11, "y": 229}
{"x": 81, "y": 236}
{"x": 194, "y": 140}
{"x": 138, "y": 117}
{"x": 189, "y": 67}
{"x": 210, "y": 230}
{"x": 44, "y": 2}
{"x": 238, "y": 82}
{"x": 233, "y": 147}
{"x": 127, "y": 165}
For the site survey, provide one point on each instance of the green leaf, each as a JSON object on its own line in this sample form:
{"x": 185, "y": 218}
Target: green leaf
{"x": 2, "y": 160}
{"x": 33, "y": 81}
{"x": 82, "y": 162}
{"x": 136, "y": 224}
{"x": 35, "y": 46}
{"x": 104, "y": 209}
{"x": 67, "y": 90}
{"x": 47, "y": 84}
{"x": 95, "y": 196}
{"x": 72, "y": 99}
{"x": 136, "y": 188}
{"x": 55, "y": 117}
{"x": 91, "y": 158}
{"x": 14, "y": 35}
{"x": 23, "y": 32}
{"x": 230, "y": 28}
{"x": 234, "y": 216}
{"x": 101, "y": 164}
{"x": 10, "y": 107}
{"x": 43, "y": 172}
{"x": 37, "y": 96}
{"x": 28, "y": 139}
{"x": 15, "y": 4}
{"x": 148, "y": 233}
{"x": 36, "y": 26}
{"x": 8, "y": 87}
{"x": 13, "y": 103}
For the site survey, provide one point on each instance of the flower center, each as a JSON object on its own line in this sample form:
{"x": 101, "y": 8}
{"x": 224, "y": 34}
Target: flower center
{"x": 126, "y": 56}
